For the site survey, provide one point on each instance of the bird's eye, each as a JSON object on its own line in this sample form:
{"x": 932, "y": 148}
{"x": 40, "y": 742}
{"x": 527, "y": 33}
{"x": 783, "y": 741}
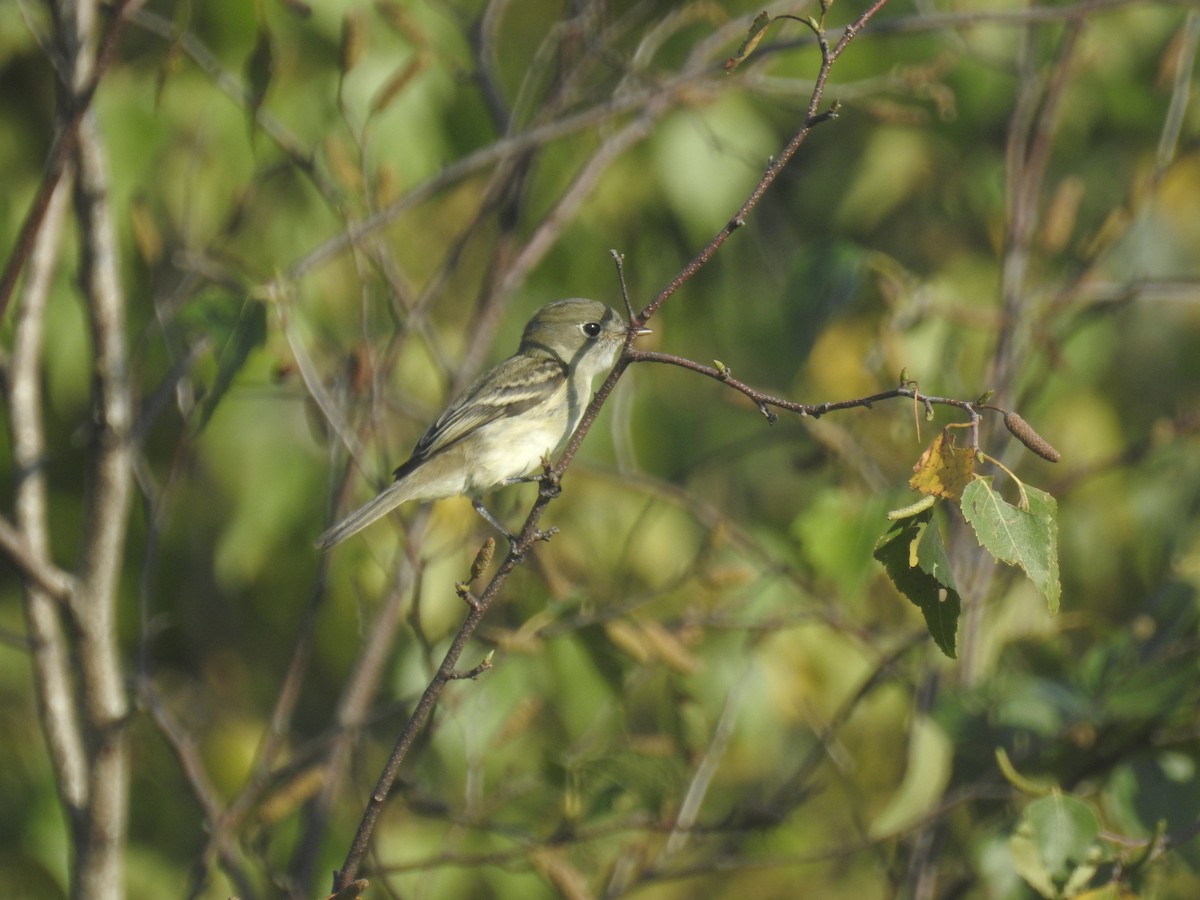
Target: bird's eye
{"x": 591, "y": 329}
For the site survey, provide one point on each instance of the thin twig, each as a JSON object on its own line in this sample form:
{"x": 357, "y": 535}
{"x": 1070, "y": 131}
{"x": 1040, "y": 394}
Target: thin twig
{"x": 709, "y": 863}
{"x": 706, "y": 769}
{"x": 192, "y": 766}
{"x": 765, "y": 401}
{"x": 1168, "y": 141}
{"x": 445, "y": 673}
{"x": 351, "y": 717}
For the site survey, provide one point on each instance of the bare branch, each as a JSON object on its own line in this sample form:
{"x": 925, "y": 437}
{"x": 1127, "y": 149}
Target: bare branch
{"x": 100, "y": 843}
{"x": 446, "y": 673}
{"x": 1030, "y": 141}
{"x": 765, "y": 402}
{"x": 29, "y": 542}
{"x": 39, "y": 572}
{"x": 351, "y": 716}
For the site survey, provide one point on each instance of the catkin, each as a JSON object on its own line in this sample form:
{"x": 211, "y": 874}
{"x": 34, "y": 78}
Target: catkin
{"x": 1023, "y": 432}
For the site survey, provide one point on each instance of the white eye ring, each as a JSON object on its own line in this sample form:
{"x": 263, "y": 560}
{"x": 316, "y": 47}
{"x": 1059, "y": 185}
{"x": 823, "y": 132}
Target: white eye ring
{"x": 591, "y": 329}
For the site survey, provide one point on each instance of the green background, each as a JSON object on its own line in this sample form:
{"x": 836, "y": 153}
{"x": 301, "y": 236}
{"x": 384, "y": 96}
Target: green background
{"x": 709, "y": 626}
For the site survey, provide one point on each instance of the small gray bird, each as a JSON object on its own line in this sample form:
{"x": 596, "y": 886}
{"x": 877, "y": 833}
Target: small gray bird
{"x": 523, "y": 410}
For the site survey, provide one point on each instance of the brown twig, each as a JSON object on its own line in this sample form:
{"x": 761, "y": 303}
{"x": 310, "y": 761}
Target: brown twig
{"x": 351, "y": 717}
{"x": 765, "y": 401}
{"x": 191, "y": 764}
{"x": 702, "y": 864}
{"x": 813, "y": 117}
{"x": 445, "y": 673}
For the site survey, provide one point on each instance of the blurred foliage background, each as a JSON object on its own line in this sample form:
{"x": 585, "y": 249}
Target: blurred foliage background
{"x": 334, "y": 215}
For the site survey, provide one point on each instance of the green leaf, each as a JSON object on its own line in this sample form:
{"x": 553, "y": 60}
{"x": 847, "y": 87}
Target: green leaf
{"x": 259, "y": 69}
{"x": 915, "y": 559}
{"x": 1019, "y": 781}
{"x": 354, "y": 40}
{"x": 1053, "y": 842}
{"x": 248, "y": 334}
{"x": 1027, "y": 538}
{"x": 1030, "y": 865}
{"x": 930, "y": 762}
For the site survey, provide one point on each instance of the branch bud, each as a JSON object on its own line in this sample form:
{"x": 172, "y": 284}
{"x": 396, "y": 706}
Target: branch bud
{"x": 483, "y": 558}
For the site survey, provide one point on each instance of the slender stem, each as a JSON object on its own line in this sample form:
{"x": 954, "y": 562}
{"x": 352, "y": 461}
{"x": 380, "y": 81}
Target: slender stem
{"x": 765, "y": 401}
{"x": 446, "y": 672}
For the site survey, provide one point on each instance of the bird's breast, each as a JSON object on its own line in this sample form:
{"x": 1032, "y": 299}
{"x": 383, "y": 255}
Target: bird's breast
{"x": 513, "y": 447}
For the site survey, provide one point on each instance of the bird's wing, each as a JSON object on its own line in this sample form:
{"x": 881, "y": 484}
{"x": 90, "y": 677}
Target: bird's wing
{"x": 512, "y": 387}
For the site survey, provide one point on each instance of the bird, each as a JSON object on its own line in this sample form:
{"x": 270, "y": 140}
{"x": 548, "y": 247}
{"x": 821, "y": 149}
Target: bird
{"x": 519, "y": 413}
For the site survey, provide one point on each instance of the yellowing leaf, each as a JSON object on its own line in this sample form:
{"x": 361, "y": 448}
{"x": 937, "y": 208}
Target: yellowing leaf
{"x": 1110, "y": 891}
{"x": 629, "y": 638}
{"x": 758, "y": 30}
{"x": 354, "y": 39}
{"x": 930, "y": 760}
{"x": 668, "y": 647}
{"x": 290, "y": 796}
{"x": 649, "y": 642}
{"x": 943, "y": 469}
{"x": 399, "y": 81}
{"x": 146, "y": 233}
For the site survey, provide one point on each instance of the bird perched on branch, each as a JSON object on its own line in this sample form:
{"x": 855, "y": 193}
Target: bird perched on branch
{"x": 514, "y": 416}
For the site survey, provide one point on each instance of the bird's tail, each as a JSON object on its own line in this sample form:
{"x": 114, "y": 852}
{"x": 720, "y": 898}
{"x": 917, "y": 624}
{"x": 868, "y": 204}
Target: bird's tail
{"x": 376, "y": 509}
